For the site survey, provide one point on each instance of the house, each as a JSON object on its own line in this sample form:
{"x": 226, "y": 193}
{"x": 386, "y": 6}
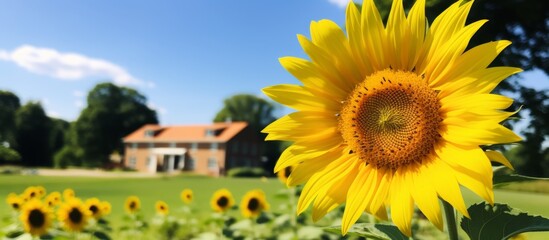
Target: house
{"x": 210, "y": 149}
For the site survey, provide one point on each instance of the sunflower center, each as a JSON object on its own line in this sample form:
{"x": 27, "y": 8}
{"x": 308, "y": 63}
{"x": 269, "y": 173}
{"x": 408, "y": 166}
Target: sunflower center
{"x": 222, "y": 201}
{"x": 37, "y": 218}
{"x": 75, "y": 216}
{"x": 94, "y": 209}
{"x": 133, "y": 205}
{"x": 15, "y": 205}
{"x": 391, "y": 119}
{"x": 253, "y": 204}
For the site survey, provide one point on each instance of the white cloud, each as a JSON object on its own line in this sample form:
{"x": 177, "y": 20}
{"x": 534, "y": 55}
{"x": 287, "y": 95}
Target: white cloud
{"x": 67, "y": 66}
{"x": 339, "y": 3}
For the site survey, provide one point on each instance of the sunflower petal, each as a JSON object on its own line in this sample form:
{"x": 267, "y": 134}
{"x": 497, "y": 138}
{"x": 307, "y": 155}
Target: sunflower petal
{"x": 498, "y": 157}
{"x": 402, "y": 204}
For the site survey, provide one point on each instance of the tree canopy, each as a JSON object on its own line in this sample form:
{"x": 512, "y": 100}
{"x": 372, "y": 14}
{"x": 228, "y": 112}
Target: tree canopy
{"x": 33, "y": 135}
{"x": 112, "y": 113}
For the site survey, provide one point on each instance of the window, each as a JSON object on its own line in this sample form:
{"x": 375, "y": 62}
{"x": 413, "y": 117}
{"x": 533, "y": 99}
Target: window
{"x": 172, "y": 145}
{"x": 194, "y": 146}
{"x": 134, "y": 146}
{"x": 244, "y": 148}
{"x": 212, "y": 163}
{"x": 151, "y": 145}
{"x": 213, "y": 147}
{"x": 132, "y": 162}
{"x": 190, "y": 164}
{"x": 254, "y": 149}
{"x": 149, "y": 133}
{"x": 210, "y": 133}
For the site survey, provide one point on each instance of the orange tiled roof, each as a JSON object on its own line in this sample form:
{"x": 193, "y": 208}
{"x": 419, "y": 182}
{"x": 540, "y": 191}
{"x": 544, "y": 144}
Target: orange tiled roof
{"x": 223, "y": 132}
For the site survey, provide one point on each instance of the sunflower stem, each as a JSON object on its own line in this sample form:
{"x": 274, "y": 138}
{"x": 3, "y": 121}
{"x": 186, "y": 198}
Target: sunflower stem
{"x": 450, "y": 220}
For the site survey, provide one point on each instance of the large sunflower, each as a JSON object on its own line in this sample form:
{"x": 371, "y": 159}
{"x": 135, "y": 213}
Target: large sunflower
{"x": 132, "y": 205}
{"x": 73, "y": 214}
{"x": 222, "y": 200}
{"x": 186, "y": 195}
{"x": 161, "y": 208}
{"x": 394, "y": 115}
{"x": 253, "y": 203}
{"x": 36, "y": 217}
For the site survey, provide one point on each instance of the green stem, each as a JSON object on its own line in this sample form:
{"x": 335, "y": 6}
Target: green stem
{"x": 450, "y": 220}
{"x": 293, "y": 216}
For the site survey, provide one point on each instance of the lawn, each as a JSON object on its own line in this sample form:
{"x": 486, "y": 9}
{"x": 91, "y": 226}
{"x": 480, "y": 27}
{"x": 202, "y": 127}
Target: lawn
{"x": 149, "y": 190}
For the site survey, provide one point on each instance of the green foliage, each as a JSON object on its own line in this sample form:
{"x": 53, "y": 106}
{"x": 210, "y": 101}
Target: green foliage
{"x": 8, "y": 155}
{"x": 33, "y": 135}
{"x": 375, "y": 231}
{"x": 500, "y": 222}
{"x": 112, "y": 113}
{"x": 9, "y": 103}
{"x": 68, "y": 156}
{"x": 246, "y": 172}
{"x": 502, "y": 177}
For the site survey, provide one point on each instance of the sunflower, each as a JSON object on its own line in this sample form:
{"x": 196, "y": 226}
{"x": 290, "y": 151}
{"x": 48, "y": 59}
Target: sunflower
{"x": 31, "y": 192}
{"x": 15, "y": 201}
{"x": 36, "y": 217}
{"x": 94, "y": 206}
{"x": 392, "y": 116}
{"x": 73, "y": 214}
{"x": 222, "y": 200}
{"x": 284, "y": 174}
{"x": 53, "y": 199}
{"x": 106, "y": 208}
{"x": 186, "y": 195}
{"x": 161, "y": 208}
{"x": 68, "y": 194}
{"x": 133, "y": 204}
{"x": 253, "y": 203}
{"x": 41, "y": 191}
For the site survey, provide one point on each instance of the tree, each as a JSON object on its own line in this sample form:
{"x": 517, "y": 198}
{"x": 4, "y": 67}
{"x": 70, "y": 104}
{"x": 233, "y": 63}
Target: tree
{"x": 58, "y": 134}
{"x": 258, "y": 113}
{"x": 9, "y": 103}
{"x": 33, "y": 135}
{"x": 112, "y": 113}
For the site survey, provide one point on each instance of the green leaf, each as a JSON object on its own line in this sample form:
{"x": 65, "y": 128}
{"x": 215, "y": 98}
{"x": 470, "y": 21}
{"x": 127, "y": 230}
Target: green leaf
{"x": 500, "y": 222}
{"x": 14, "y": 234}
{"x": 101, "y": 236}
{"x": 376, "y": 231}
{"x": 502, "y": 177}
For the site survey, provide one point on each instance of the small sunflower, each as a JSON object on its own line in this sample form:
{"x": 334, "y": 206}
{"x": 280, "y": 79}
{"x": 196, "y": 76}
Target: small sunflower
{"x": 394, "y": 115}
{"x": 161, "y": 208}
{"x": 41, "y": 190}
{"x": 106, "y": 208}
{"x": 94, "y": 206}
{"x": 253, "y": 203}
{"x": 31, "y": 192}
{"x": 36, "y": 217}
{"x": 222, "y": 200}
{"x": 68, "y": 194}
{"x": 132, "y": 205}
{"x": 284, "y": 174}
{"x": 53, "y": 199}
{"x": 186, "y": 195}
{"x": 15, "y": 202}
{"x": 73, "y": 214}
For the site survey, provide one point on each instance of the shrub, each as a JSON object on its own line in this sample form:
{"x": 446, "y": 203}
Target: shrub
{"x": 67, "y": 156}
{"x": 246, "y": 172}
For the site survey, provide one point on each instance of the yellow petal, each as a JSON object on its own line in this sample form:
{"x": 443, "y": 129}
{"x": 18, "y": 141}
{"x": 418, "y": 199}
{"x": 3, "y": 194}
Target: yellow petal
{"x": 475, "y": 101}
{"x": 477, "y": 58}
{"x": 479, "y": 135}
{"x": 418, "y": 25}
{"x": 328, "y": 36}
{"x": 311, "y": 77}
{"x": 398, "y": 37}
{"x": 498, "y": 157}
{"x": 294, "y": 155}
{"x": 446, "y": 184}
{"x": 299, "y": 98}
{"x": 334, "y": 196}
{"x": 470, "y": 159}
{"x": 363, "y": 185}
{"x": 303, "y": 171}
{"x": 356, "y": 40}
{"x": 374, "y": 35}
{"x": 402, "y": 205}
{"x": 334, "y": 171}
{"x": 425, "y": 195}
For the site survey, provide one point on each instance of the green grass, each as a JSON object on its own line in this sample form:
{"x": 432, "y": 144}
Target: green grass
{"x": 149, "y": 190}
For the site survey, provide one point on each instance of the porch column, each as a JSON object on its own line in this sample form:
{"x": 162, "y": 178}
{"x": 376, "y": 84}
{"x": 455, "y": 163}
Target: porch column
{"x": 171, "y": 162}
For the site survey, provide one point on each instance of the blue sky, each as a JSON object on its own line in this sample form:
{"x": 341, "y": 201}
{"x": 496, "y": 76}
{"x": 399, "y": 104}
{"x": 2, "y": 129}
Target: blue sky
{"x": 184, "y": 56}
